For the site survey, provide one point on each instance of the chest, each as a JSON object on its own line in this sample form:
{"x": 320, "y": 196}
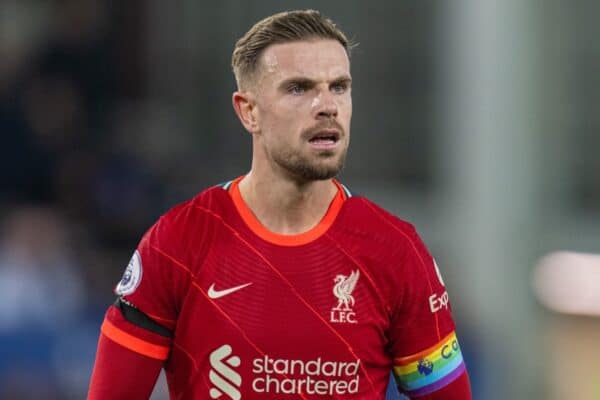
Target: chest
{"x": 316, "y": 299}
{"x": 291, "y": 320}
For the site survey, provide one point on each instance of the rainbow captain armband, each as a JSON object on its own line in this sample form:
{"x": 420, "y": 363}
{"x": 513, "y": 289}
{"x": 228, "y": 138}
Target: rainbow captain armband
{"x": 430, "y": 369}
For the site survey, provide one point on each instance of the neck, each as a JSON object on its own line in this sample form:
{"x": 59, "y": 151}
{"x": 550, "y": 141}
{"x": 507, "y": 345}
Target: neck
{"x": 286, "y": 206}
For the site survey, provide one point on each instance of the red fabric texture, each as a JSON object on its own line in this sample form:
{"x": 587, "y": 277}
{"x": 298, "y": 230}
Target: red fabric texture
{"x": 120, "y": 373}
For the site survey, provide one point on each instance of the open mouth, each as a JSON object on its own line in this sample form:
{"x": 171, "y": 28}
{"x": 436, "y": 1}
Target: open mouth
{"x": 325, "y": 138}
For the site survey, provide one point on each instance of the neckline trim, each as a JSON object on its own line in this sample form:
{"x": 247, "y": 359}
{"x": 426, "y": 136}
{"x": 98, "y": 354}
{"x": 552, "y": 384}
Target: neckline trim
{"x": 280, "y": 239}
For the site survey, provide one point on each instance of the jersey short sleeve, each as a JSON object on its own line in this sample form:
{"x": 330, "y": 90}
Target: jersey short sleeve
{"x": 145, "y": 313}
{"x": 424, "y": 346}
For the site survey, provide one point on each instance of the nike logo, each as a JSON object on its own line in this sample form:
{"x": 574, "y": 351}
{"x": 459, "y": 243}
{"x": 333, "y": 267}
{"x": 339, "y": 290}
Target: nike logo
{"x": 215, "y": 294}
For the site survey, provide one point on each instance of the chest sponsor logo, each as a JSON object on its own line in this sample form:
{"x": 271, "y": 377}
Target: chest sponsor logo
{"x": 282, "y": 376}
{"x": 313, "y": 377}
{"x": 342, "y": 290}
{"x": 222, "y": 374}
{"x": 215, "y": 294}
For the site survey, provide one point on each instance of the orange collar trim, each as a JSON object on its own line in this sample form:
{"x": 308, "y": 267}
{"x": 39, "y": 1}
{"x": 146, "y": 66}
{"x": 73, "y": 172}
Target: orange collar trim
{"x": 287, "y": 240}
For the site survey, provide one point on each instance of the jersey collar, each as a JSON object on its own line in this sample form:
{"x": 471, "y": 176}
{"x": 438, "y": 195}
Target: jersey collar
{"x": 286, "y": 240}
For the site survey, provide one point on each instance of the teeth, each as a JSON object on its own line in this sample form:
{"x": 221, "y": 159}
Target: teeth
{"x": 323, "y": 140}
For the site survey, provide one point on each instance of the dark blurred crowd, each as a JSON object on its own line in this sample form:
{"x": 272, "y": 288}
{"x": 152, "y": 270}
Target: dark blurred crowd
{"x": 74, "y": 196}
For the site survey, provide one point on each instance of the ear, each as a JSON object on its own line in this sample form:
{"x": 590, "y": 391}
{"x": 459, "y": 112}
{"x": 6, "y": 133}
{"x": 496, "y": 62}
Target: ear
{"x": 245, "y": 108}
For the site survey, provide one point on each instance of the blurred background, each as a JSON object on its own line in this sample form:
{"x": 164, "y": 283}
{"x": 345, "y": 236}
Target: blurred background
{"x": 478, "y": 121}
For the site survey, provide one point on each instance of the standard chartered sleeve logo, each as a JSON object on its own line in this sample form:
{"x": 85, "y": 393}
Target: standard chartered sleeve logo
{"x": 222, "y": 375}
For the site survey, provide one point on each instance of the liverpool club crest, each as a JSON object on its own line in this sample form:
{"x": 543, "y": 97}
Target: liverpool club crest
{"x": 342, "y": 290}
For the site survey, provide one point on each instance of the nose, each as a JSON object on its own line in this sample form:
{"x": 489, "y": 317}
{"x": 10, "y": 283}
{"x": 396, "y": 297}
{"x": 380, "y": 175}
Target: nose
{"x": 325, "y": 105}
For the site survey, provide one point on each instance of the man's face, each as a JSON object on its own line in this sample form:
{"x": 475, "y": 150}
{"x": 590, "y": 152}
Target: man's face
{"x": 304, "y": 106}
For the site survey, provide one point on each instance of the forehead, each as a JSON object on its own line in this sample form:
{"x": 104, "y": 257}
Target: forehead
{"x": 313, "y": 59}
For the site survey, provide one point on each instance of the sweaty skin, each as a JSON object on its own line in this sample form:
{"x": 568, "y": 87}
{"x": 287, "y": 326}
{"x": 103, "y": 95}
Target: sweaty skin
{"x": 271, "y": 63}
{"x": 316, "y": 101}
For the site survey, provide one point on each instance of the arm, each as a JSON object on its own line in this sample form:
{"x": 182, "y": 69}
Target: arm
{"x": 120, "y": 373}
{"x": 137, "y": 332}
{"x": 131, "y": 352}
{"x": 428, "y": 362}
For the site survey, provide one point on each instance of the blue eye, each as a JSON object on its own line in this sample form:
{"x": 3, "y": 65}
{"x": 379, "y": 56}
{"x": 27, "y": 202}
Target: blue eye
{"x": 295, "y": 89}
{"x": 339, "y": 88}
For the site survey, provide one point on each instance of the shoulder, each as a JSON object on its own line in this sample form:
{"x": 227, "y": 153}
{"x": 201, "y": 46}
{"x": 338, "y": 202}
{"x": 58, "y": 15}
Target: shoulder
{"x": 209, "y": 199}
{"x": 364, "y": 215}
{"x": 388, "y": 247}
{"x": 383, "y": 240}
{"x": 192, "y": 216}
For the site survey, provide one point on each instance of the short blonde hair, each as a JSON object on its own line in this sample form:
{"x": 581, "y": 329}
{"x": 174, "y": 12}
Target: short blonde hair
{"x": 287, "y": 26}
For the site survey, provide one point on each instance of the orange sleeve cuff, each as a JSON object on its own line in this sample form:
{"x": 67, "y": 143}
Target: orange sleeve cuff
{"x": 133, "y": 343}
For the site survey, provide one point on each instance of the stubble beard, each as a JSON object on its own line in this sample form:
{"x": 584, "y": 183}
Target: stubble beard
{"x": 307, "y": 169}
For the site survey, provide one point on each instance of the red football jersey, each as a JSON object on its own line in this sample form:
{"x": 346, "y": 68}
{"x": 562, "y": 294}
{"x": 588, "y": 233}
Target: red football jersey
{"x": 244, "y": 313}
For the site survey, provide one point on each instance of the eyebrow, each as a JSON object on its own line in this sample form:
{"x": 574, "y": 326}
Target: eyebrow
{"x": 308, "y": 83}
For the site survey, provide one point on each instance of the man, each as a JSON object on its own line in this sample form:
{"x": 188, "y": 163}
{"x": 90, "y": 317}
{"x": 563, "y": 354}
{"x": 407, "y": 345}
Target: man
{"x": 282, "y": 284}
